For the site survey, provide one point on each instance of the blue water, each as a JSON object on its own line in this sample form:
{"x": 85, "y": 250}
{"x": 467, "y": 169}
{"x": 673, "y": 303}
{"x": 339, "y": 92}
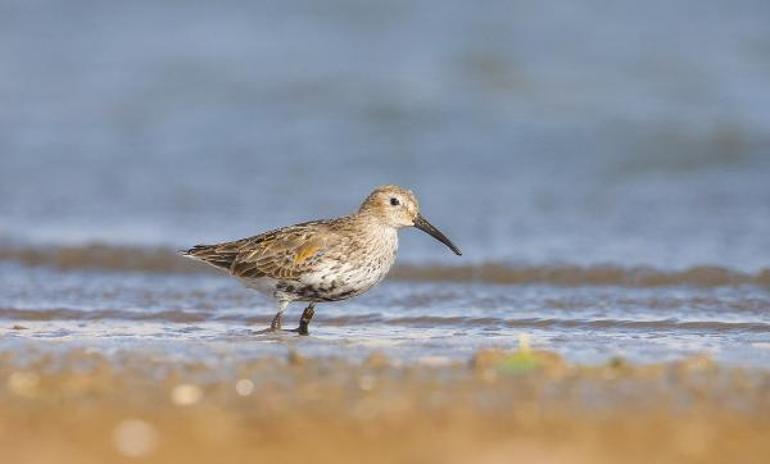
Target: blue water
{"x": 533, "y": 133}
{"x": 550, "y": 134}
{"x": 191, "y": 316}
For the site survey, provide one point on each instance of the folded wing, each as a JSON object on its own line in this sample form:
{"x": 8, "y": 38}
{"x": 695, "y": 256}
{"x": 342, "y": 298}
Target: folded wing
{"x": 283, "y": 254}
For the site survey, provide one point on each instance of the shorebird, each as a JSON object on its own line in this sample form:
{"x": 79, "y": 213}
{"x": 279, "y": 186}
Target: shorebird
{"x": 326, "y": 260}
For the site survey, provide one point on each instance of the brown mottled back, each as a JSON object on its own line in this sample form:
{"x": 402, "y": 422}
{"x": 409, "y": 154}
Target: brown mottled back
{"x": 281, "y": 254}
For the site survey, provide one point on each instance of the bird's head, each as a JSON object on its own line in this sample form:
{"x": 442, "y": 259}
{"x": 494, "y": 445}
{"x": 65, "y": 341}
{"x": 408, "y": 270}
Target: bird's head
{"x": 397, "y": 207}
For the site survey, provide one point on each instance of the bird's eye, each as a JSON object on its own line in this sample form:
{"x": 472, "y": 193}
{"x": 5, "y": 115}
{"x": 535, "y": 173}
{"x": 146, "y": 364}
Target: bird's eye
{"x": 394, "y": 202}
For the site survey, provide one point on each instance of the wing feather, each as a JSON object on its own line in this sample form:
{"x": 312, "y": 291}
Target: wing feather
{"x": 286, "y": 257}
{"x": 284, "y": 254}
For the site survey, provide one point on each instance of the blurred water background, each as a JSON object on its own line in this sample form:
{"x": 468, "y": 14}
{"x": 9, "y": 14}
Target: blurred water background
{"x": 535, "y": 133}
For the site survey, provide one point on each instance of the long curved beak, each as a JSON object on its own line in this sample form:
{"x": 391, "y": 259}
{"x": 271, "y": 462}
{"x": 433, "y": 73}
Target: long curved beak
{"x": 425, "y": 226}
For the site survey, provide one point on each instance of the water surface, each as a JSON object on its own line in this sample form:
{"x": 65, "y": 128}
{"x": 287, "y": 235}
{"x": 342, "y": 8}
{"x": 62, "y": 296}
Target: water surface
{"x": 200, "y": 316}
{"x": 604, "y": 168}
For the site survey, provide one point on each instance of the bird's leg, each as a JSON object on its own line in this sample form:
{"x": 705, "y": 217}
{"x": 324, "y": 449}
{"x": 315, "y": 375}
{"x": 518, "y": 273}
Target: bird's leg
{"x": 275, "y": 325}
{"x": 277, "y": 322}
{"x": 304, "y": 321}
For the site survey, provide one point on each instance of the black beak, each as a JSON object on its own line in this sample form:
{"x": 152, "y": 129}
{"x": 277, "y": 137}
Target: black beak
{"x": 428, "y": 228}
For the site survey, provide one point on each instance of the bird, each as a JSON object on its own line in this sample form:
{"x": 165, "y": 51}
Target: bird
{"x": 324, "y": 260}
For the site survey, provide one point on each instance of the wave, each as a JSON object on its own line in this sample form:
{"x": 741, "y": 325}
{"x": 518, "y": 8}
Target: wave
{"x": 121, "y": 258}
{"x": 182, "y": 317}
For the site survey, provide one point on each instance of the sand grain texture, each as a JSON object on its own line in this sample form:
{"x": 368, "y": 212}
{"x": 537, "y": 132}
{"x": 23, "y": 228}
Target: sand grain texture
{"x": 85, "y": 408}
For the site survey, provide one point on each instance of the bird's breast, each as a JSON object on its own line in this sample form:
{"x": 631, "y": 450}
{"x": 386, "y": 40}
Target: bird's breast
{"x": 345, "y": 272}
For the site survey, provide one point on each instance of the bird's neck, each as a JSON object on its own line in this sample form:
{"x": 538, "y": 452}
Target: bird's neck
{"x": 375, "y": 229}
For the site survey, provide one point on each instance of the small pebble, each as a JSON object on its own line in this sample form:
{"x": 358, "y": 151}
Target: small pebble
{"x": 377, "y": 360}
{"x": 296, "y": 359}
{"x": 23, "y": 383}
{"x": 366, "y": 382}
{"x": 186, "y": 394}
{"x": 244, "y": 387}
{"x": 135, "y": 438}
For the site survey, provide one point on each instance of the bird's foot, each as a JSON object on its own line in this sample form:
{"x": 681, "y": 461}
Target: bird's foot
{"x": 265, "y": 331}
{"x": 301, "y": 330}
{"x": 304, "y": 321}
{"x": 275, "y": 326}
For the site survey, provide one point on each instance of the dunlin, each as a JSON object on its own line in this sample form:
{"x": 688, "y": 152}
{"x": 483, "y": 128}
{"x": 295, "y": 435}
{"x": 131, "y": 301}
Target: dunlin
{"x": 328, "y": 260}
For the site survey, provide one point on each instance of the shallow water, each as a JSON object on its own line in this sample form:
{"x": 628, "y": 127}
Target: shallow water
{"x": 604, "y": 168}
{"x": 203, "y": 316}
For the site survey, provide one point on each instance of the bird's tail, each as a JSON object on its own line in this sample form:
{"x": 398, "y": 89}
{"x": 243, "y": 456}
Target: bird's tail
{"x": 221, "y": 255}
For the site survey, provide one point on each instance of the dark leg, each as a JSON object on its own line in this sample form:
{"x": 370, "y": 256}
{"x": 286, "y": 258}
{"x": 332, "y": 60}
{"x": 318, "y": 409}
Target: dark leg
{"x": 304, "y": 321}
{"x": 277, "y": 322}
{"x": 275, "y": 326}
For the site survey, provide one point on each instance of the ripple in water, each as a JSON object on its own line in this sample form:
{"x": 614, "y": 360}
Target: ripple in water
{"x": 194, "y": 313}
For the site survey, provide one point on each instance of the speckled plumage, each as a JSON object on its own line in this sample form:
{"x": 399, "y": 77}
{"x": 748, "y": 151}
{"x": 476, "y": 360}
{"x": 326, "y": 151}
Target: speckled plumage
{"x": 319, "y": 261}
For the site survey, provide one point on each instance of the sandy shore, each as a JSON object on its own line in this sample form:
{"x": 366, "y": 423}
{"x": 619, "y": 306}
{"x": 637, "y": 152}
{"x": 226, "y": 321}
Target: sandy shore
{"x": 84, "y": 407}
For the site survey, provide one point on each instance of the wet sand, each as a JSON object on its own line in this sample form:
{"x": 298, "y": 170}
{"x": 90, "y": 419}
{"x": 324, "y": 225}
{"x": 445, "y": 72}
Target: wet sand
{"x": 81, "y": 407}
{"x": 111, "y": 355}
